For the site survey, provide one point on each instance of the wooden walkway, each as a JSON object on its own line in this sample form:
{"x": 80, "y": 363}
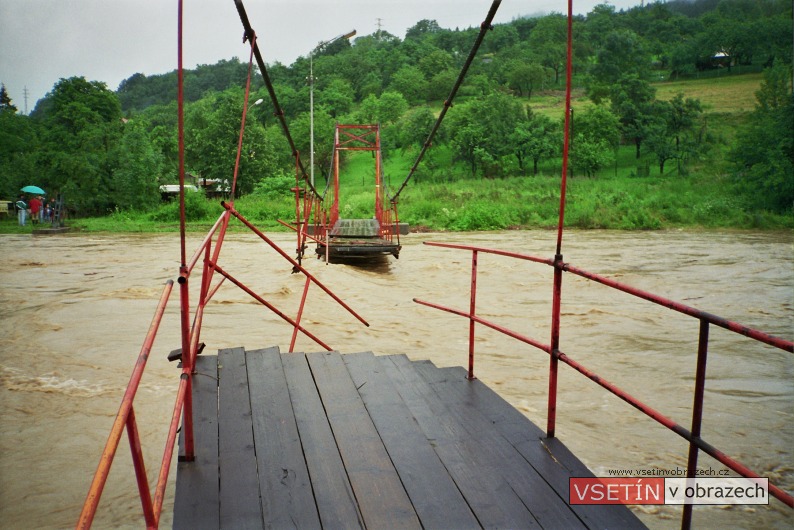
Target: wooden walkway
{"x": 324, "y": 440}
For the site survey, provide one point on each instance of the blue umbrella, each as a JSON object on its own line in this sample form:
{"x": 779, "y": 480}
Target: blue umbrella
{"x": 34, "y": 189}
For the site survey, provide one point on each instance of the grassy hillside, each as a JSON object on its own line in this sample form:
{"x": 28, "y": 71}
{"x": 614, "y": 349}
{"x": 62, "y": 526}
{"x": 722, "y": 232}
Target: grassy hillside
{"x": 725, "y": 94}
{"x": 702, "y": 196}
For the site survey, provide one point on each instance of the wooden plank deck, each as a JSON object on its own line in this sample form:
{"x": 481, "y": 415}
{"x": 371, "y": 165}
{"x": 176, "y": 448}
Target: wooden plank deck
{"x": 325, "y": 440}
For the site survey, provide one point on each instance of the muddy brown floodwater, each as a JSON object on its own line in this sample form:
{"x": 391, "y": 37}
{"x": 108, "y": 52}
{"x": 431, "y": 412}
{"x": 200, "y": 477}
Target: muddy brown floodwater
{"x": 75, "y": 309}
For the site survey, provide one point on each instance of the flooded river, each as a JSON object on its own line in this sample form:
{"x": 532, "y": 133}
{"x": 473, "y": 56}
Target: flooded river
{"x": 74, "y": 310}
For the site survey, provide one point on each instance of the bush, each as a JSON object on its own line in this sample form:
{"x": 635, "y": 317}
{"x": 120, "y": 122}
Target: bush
{"x": 480, "y": 216}
{"x": 197, "y": 208}
{"x": 275, "y": 187}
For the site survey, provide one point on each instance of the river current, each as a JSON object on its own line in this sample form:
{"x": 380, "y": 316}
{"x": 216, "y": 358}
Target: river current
{"x": 75, "y": 308}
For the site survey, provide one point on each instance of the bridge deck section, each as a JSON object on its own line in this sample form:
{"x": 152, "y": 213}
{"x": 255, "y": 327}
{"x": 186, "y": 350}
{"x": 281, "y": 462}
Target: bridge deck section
{"x": 326, "y": 440}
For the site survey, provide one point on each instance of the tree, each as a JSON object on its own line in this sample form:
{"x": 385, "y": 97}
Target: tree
{"x": 410, "y": 82}
{"x": 368, "y": 110}
{"x": 441, "y": 84}
{"x": 5, "y": 100}
{"x": 416, "y": 128}
{"x": 623, "y": 55}
{"x": 680, "y": 116}
{"x": 548, "y": 40}
{"x": 81, "y": 125}
{"x": 212, "y": 130}
{"x": 598, "y": 123}
{"x": 337, "y": 97}
{"x": 466, "y": 139}
{"x": 391, "y": 107}
{"x": 633, "y": 100}
{"x": 590, "y": 154}
{"x": 595, "y": 136}
{"x": 136, "y": 175}
{"x": 422, "y": 28}
{"x": 19, "y": 147}
{"x": 370, "y": 85}
{"x": 601, "y": 22}
{"x": 525, "y": 77}
{"x": 535, "y": 139}
{"x": 660, "y": 144}
{"x": 324, "y": 127}
{"x": 481, "y": 130}
{"x": 764, "y": 152}
{"x": 434, "y": 62}
{"x": 503, "y": 36}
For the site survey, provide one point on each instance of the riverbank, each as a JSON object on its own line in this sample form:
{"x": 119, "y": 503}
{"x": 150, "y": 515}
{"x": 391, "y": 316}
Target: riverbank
{"x": 619, "y": 202}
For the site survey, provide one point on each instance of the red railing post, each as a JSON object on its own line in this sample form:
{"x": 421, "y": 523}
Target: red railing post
{"x": 551, "y": 417}
{"x": 697, "y": 414}
{"x": 206, "y": 276}
{"x": 187, "y": 364}
{"x": 140, "y": 470}
{"x": 472, "y": 311}
{"x": 300, "y": 314}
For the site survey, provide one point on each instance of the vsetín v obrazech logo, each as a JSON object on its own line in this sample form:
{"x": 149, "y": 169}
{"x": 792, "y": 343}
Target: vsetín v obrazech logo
{"x": 667, "y": 490}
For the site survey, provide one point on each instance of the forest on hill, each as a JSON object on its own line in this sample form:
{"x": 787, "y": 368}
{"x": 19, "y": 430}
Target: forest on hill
{"x": 641, "y": 109}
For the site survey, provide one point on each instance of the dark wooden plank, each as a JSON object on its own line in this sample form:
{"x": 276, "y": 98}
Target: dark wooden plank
{"x": 490, "y": 497}
{"x": 548, "y": 507}
{"x": 380, "y": 495}
{"x": 436, "y": 499}
{"x": 239, "y": 502}
{"x": 333, "y": 494}
{"x": 550, "y": 457}
{"x": 196, "y": 495}
{"x": 287, "y": 499}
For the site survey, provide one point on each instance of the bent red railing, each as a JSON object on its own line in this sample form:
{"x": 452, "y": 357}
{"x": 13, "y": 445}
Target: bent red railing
{"x": 696, "y": 443}
{"x": 126, "y": 419}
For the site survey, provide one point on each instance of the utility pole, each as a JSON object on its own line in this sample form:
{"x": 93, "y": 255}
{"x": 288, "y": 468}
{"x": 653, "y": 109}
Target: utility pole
{"x": 317, "y": 48}
{"x": 25, "y": 95}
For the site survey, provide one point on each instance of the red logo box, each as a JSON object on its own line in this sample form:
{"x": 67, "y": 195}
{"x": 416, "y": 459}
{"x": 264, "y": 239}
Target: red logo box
{"x": 615, "y": 490}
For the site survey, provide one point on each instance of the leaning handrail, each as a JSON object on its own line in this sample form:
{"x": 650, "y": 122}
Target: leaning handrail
{"x": 706, "y": 319}
{"x": 152, "y": 504}
{"x": 754, "y": 334}
{"x": 125, "y": 418}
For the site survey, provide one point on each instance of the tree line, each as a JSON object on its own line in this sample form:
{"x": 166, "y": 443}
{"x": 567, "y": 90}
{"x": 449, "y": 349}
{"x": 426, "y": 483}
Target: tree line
{"x": 111, "y": 150}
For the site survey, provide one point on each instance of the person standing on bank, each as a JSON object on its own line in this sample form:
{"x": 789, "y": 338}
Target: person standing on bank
{"x": 35, "y": 208}
{"x": 22, "y": 210}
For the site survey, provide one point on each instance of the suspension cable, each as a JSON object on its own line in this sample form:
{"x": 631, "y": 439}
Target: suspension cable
{"x": 278, "y": 111}
{"x": 242, "y": 121}
{"x": 484, "y": 27}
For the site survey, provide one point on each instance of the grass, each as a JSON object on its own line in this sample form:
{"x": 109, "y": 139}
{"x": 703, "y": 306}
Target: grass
{"x": 719, "y": 95}
{"x": 608, "y": 201}
{"x": 728, "y": 94}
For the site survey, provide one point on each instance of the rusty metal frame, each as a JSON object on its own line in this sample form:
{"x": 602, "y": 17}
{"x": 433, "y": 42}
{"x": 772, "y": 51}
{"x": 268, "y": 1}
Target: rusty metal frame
{"x": 190, "y": 333}
{"x": 696, "y": 443}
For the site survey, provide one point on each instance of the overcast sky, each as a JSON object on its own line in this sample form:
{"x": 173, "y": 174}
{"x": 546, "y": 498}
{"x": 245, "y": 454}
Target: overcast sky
{"x": 42, "y": 41}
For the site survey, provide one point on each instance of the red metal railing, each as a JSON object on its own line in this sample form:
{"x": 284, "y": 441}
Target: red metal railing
{"x": 125, "y": 418}
{"x": 191, "y": 333}
{"x": 696, "y": 443}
